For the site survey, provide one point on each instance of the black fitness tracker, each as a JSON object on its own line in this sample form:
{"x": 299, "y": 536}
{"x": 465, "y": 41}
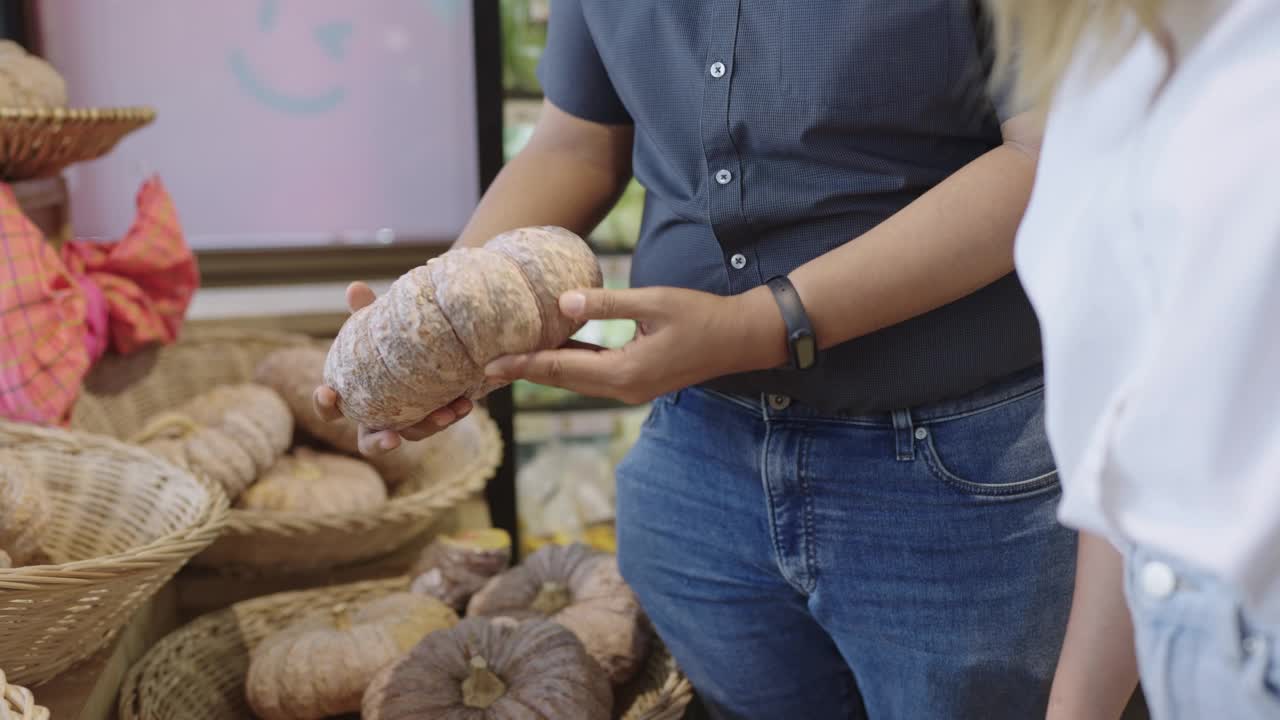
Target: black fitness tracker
{"x": 800, "y": 339}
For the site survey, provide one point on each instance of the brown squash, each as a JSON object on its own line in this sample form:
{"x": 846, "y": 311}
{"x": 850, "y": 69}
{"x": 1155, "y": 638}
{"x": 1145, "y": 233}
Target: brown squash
{"x": 480, "y": 670}
{"x": 452, "y": 568}
{"x": 295, "y": 373}
{"x": 321, "y": 665}
{"x": 232, "y": 434}
{"x": 24, "y": 512}
{"x": 581, "y": 589}
{"x": 311, "y": 482}
{"x": 427, "y": 340}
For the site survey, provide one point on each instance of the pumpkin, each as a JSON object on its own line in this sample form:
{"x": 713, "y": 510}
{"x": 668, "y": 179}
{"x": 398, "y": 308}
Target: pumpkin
{"x": 427, "y": 340}
{"x": 24, "y": 511}
{"x": 321, "y": 665}
{"x": 453, "y": 568}
{"x": 233, "y": 434}
{"x": 27, "y": 81}
{"x": 581, "y": 589}
{"x": 480, "y": 670}
{"x": 295, "y": 373}
{"x": 312, "y": 482}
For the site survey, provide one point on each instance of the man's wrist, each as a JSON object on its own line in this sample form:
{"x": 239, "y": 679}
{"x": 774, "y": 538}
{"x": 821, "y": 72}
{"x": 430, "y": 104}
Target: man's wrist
{"x": 764, "y": 332}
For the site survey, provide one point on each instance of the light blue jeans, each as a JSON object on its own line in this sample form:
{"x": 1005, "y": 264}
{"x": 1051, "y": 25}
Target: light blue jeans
{"x": 811, "y": 567}
{"x": 1202, "y": 656}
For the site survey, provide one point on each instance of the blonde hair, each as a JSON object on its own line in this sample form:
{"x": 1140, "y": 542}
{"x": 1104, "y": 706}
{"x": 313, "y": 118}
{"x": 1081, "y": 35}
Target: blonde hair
{"x": 1037, "y": 39}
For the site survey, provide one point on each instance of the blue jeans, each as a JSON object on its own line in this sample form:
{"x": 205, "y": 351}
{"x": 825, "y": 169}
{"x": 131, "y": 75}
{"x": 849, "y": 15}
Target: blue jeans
{"x": 1201, "y": 655}
{"x": 806, "y": 566}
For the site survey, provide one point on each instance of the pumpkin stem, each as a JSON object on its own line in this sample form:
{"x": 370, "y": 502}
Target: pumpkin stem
{"x": 552, "y": 598}
{"x": 482, "y": 687}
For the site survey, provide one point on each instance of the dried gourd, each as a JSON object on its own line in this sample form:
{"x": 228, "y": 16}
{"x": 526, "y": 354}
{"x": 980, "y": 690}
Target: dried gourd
{"x": 27, "y": 81}
{"x": 321, "y": 665}
{"x": 307, "y": 481}
{"x": 295, "y": 373}
{"x": 232, "y": 434}
{"x": 485, "y": 671}
{"x": 427, "y": 340}
{"x": 453, "y": 568}
{"x": 580, "y": 589}
{"x": 24, "y": 512}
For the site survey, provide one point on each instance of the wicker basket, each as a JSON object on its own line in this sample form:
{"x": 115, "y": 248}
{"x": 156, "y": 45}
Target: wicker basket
{"x": 17, "y": 703}
{"x": 121, "y": 524}
{"x": 197, "y": 672}
{"x": 123, "y": 392}
{"x": 41, "y": 142}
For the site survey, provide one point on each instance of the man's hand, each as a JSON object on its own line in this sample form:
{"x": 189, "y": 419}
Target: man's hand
{"x": 325, "y": 400}
{"x": 683, "y": 337}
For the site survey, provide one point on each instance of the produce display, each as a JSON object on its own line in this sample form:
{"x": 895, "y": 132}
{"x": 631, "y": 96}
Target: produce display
{"x": 24, "y": 511}
{"x": 295, "y": 373}
{"x": 488, "y": 671}
{"x": 316, "y": 482}
{"x": 453, "y": 568}
{"x": 27, "y": 81}
{"x": 321, "y": 665}
{"x": 426, "y": 341}
{"x": 232, "y": 433}
{"x": 581, "y": 589}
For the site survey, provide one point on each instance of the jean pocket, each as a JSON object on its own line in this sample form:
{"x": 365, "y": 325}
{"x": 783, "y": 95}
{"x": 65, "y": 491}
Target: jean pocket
{"x": 998, "y": 452}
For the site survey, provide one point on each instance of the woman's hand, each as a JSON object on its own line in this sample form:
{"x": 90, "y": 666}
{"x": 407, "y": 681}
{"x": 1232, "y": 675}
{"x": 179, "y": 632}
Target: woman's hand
{"x": 325, "y": 400}
{"x": 683, "y": 337}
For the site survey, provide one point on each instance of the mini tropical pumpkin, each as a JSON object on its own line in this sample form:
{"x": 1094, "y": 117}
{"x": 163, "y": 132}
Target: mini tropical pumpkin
{"x": 295, "y": 373}
{"x": 232, "y": 434}
{"x": 321, "y": 665}
{"x": 453, "y": 568}
{"x": 24, "y": 510}
{"x": 480, "y": 670}
{"x": 307, "y": 481}
{"x": 580, "y": 589}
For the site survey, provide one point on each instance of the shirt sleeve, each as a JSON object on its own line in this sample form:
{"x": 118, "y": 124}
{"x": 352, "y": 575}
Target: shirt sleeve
{"x": 571, "y": 71}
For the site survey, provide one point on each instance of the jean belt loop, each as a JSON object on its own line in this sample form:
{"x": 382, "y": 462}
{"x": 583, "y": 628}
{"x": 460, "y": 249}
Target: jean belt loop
{"x": 904, "y": 435}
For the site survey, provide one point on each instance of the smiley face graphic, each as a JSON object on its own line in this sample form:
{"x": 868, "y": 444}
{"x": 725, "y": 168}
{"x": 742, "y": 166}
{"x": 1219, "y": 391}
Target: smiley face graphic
{"x": 332, "y": 38}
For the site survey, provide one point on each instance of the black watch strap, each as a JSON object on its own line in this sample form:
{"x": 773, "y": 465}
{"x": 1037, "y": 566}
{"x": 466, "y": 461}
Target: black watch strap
{"x": 800, "y": 338}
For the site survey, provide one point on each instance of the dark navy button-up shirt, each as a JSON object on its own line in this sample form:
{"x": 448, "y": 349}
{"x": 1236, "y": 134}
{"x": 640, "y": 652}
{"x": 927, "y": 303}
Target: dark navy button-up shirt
{"x": 768, "y": 132}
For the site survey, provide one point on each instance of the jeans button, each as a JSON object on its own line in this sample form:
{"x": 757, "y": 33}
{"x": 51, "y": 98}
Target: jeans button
{"x": 921, "y": 433}
{"x": 1157, "y": 580}
{"x": 779, "y": 402}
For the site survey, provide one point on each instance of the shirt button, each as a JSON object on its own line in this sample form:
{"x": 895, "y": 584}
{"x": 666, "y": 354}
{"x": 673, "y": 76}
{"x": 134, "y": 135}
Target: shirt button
{"x": 717, "y": 70}
{"x": 779, "y": 402}
{"x": 724, "y": 177}
{"x": 921, "y": 433}
{"x": 738, "y": 261}
{"x": 1158, "y": 580}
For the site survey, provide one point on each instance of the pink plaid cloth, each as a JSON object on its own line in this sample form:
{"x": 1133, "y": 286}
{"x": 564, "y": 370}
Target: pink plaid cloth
{"x": 60, "y": 313}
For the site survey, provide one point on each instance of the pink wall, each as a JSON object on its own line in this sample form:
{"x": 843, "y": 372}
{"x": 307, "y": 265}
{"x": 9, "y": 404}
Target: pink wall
{"x": 279, "y": 121}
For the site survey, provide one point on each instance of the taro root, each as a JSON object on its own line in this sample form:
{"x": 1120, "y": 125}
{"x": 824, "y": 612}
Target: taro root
{"x": 427, "y": 340}
{"x": 453, "y": 568}
{"x": 311, "y": 482}
{"x": 24, "y": 513}
{"x": 321, "y": 665}
{"x": 481, "y": 670}
{"x": 232, "y": 434}
{"x": 581, "y": 589}
{"x": 295, "y": 373}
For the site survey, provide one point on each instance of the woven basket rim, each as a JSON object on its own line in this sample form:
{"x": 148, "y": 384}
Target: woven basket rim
{"x": 142, "y": 558}
{"x": 134, "y": 113}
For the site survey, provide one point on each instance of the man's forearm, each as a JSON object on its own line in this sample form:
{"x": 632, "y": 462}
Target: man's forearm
{"x": 1097, "y": 671}
{"x": 953, "y": 240}
{"x": 540, "y": 187}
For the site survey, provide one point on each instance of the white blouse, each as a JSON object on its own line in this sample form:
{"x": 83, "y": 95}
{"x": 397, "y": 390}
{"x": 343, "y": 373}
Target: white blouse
{"x": 1151, "y": 251}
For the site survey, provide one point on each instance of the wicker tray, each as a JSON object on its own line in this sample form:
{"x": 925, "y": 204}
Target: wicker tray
{"x": 41, "y": 142}
{"x": 197, "y": 672}
{"x": 121, "y": 524}
{"x": 123, "y": 392}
